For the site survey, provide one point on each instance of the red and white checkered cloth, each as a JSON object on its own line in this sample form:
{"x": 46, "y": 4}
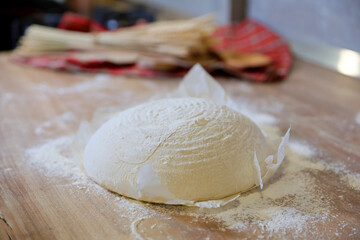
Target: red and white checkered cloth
{"x": 246, "y": 36}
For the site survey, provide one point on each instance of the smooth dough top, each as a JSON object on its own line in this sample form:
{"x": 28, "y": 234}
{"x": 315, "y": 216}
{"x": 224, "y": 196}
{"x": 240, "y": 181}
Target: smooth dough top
{"x": 199, "y": 150}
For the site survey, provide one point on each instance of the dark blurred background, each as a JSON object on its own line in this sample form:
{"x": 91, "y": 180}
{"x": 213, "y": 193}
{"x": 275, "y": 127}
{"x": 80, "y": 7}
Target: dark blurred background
{"x": 335, "y": 22}
{"x": 17, "y": 15}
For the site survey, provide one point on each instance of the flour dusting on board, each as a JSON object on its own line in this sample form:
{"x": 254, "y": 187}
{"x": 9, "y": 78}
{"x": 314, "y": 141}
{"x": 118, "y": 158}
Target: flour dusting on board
{"x": 7, "y": 97}
{"x": 59, "y": 121}
{"x": 357, "y": 118}
{"x": 301, "y": 148}
{"x": 294, "y": 202}
{"x": 289, "y": 204}
{"x": 100, "y": 81}
{"x": 57, "y": 159}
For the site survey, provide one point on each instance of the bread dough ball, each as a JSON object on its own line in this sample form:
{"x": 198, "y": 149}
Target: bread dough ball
{"x": 196, "y": 149}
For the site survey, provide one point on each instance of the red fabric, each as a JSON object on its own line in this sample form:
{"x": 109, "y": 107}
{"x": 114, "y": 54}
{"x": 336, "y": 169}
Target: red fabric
{"x": 246, "y": 36}
{"x": 68, "y": 63}
{"x": 75, "y": 22}
{"x": 251, "y": 36}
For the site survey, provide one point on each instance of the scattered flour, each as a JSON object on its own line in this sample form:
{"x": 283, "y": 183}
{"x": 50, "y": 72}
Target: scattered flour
{"x": 259, "y": 117}
{"x": 357, "y": 118}
{"x": 55, "y": 162}
{"x": 7, "y": 97}
{"x": 56, "y": 158}
{"x": 353, "y": 180}
{"x": 288, "y": 204}
{"x": 100, "y": 81}
{"x": 58, "y": 122}
{"x": 301, "y": 148}
{"x": 285, "y": 218}
{"x": 244, "y": 86}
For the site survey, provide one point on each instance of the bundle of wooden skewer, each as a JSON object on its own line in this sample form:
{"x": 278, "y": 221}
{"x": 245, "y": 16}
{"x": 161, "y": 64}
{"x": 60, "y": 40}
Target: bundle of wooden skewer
{"x": 179, "y": 38}
{"x": 162, "y": 45}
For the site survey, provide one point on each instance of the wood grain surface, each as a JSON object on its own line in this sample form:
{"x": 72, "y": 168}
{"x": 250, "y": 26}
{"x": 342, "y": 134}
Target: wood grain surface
{"x": 321, "y": 106}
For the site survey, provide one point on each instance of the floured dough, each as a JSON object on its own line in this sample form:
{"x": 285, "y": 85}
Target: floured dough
{"x": 177, "y": 149}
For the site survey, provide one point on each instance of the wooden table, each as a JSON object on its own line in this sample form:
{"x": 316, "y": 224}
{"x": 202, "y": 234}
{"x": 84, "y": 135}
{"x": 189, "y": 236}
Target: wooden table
{"x": 321, "y": 106}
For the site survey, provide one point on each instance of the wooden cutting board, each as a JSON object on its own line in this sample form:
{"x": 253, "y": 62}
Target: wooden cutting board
{"x": 321, "y": 106}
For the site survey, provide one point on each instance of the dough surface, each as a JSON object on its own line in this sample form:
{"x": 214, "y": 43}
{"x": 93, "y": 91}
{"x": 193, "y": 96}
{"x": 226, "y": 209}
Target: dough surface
{"x": 196, "y": 149}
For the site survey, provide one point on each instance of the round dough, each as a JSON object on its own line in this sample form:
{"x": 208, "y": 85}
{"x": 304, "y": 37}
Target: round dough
{"x": 197, "y": 149}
